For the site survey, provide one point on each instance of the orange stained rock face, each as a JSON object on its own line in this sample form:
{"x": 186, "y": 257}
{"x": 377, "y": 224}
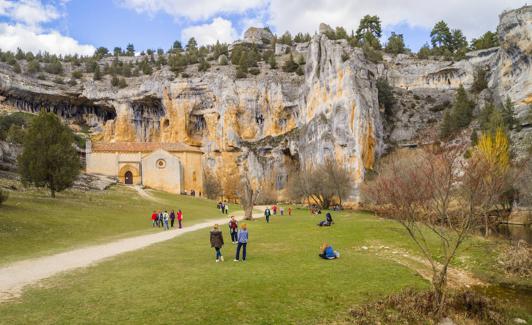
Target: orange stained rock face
{"x": 212, "y": 120}
{"x": 340, "y": 81}
{"x": 352, "y": 117}
{"x": 121, "y": 130}
{"x": 368, "y": 147}
{"x": 528, "y": 100}
{"x": 175, "y": 123}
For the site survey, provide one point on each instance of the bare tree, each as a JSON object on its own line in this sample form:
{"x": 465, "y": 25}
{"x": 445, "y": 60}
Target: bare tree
{"x": 212, "y": 187}
{"x": 437, "y": 194}
{"x": 322, "y": 183}
{"x": 230, "y": 186}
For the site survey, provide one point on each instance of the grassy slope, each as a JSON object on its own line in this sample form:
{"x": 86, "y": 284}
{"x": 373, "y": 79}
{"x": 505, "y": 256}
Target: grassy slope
{"x": 32, "y": 223}
{"x": 178, "y": 281}
{"x": 282, "y": 282}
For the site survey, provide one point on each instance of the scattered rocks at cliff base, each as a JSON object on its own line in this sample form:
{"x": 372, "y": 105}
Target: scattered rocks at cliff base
{"x": 94, "y": 182}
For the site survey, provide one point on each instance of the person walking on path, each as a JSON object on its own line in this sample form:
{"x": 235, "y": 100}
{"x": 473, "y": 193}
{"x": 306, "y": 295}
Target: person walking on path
{"x": 172, "y": 218}
{"x": 281, "y": 209}
{"x": 180, "y": 218}
{"x": 274, "y": 208}
{"x": 222, "y": 208}
{"x": 289, "y": 211}
{"x": 242, "y": 242}
{"x": 153, "y": 218}
{"x": 233, "y": 229}
{"x": 165, "y": 220}
{"x": 267, "y": 214}
{"x": 217, "y": 241}
{"x": 226, "y": 208}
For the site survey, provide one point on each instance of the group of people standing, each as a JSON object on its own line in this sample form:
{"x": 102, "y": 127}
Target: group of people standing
{"x": 238, "y": 237}
{"x": 166, "y": 220}
{"x": 268, "y": 212}
{"x": 223, "y": 207}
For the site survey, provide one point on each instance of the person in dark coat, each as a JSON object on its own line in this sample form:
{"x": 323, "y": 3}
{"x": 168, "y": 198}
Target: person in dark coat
{"x": 267, "y": 214}
{"x": 172, "y": 218}
{"x": 327, "y": 222}
{"x": 217, "y": 241}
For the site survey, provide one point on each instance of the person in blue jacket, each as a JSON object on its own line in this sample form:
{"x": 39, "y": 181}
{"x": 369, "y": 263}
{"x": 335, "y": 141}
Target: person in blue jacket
{"x": 242, "y": 242}
{"x": 327, "y": 252}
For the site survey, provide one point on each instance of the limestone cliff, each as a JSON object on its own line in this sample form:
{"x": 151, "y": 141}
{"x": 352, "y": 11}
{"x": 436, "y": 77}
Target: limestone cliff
{"x": 275, "y": 121}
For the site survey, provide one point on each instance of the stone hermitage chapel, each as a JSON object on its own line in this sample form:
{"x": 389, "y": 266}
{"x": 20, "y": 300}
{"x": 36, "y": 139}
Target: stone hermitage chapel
{"x": 170, "y": 167}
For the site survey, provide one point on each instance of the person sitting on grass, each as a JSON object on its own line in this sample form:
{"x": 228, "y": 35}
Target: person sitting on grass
{"x": 217, "y": 241}
{"x": 327, "y": 252}
{"x": 242, "y": 242}
{"x": 327, "y": 222}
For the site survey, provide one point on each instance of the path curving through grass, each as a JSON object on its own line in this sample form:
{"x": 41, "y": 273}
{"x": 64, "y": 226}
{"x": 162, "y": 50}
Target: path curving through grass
{"x": 14, "y": 277}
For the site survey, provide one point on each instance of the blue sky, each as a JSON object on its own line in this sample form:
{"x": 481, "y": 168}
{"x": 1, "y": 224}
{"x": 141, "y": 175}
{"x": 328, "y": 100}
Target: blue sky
{"x": 68, "y": 26}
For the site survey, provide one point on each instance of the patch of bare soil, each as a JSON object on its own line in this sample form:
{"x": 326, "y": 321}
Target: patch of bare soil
{"x": 456, "y": 278}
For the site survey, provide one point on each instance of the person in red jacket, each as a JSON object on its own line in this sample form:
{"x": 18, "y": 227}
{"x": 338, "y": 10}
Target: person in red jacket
{"x": 180, "y": 218}
{"x": 153, "y": 218}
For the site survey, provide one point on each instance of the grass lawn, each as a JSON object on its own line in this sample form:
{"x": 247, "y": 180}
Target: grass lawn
{"x": 283, "y": 281}
{"x": 178, "y": 282}
{"x": 33, "y": 224}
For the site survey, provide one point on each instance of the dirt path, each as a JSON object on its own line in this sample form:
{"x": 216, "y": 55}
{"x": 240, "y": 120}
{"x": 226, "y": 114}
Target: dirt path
{"x": 15, "y": 276}
{"x": 143, "y": 193}
{"x": 456, "y": 278}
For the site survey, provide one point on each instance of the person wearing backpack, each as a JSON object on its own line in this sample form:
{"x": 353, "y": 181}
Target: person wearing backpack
{"x": 217, "y": 241}
{"x": 242, "y": 243}
{"x": 233, "y": 229}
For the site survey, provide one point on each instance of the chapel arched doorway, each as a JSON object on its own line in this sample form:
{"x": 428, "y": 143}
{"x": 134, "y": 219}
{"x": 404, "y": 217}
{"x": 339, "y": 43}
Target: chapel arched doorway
{"x": 128, "y": 178}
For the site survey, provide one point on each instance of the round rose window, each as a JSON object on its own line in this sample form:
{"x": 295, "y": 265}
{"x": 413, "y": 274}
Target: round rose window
{"x": 161, "y": 163}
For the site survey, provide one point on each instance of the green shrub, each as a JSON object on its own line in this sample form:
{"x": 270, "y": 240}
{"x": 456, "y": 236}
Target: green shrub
{"x": 290, "y": 65}
{"x": 385, "y": 95}
{"x": 54, "y": 67}
{"x": 122, "y": 83}
{"x": 254, "y": 71}
{"x": 480, "y": 81}
{"x": 77, "y": 74}
{"x": 115, "y": 81}
{"x": 240, "y": 74}
{"x": 372, "y": 54}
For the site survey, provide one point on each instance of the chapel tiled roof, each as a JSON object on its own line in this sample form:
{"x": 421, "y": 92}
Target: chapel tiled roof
{"x": 142, "y": 147}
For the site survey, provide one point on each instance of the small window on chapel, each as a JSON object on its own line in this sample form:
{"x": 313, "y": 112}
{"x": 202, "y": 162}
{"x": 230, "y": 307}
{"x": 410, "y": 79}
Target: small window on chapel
{"x": 161, "y": 163}
{"x": 194, "y": 176}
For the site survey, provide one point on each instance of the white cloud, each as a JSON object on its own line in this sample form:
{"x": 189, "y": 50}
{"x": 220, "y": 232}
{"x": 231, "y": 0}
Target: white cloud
{"x": 33, "y": 12}
{"x": 20, "y": 36}
{"x": 25, "y": 29}
{"x": 474, "y": 17}
{"x": 219, "y": 30}
{"x": 194, "y": 10}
